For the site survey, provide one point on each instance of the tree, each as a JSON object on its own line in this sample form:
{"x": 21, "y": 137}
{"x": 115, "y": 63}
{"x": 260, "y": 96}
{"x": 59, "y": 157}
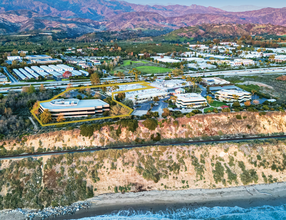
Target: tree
{"x": 247, "y": 103}
{"x": 150, "y": 123}
{"x": 128, "y": 103}
{"x": 120, "y": 96}
{"x": 14, "y": 52}
{"x": 7, "y": 111}
{"x": 25, "y": 89}
{"x": 94, "y": 78}
{"x": 118, "y": 110}
{"x": 31, "y": 89}
{"x": 60, "y": 118}
{"x": 177, "y": 72}
{"x": 156, "y": 99}
{"x": 35, "y": 108}
{"x": 42, "y": 88}
{"x": 22, "y": 54}
{"x": 120, "y": 75}
{"x": 236, "y": 97}
{"x": 210, "y": 100}
{"x": 253, "y": 92}
{"x": 46, "y": 116}
{"x": 166, "y": 112}
{"x": 236, "y": 104}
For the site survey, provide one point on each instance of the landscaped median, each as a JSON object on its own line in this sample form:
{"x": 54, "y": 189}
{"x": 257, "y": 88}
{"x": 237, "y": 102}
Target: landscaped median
{"x": 35, "y": 109}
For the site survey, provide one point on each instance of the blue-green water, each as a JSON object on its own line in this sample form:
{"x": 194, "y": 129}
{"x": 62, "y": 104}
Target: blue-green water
{"x": 214, "y": 213}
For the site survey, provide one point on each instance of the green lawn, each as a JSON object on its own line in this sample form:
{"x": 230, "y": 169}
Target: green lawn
{"x": 127, "y": 62}
{"x": 206, "y": 109}
{"x": 153, "y": 69}
{"x": 217, "y": 104}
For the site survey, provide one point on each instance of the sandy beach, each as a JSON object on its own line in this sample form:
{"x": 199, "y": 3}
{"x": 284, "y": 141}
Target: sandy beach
{"x": 242, "y": 196}
{"x": 249, "y": 196}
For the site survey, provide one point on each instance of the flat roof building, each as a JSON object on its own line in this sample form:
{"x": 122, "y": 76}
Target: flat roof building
{"x": 75, "y": 107}
{"x": 233, "y": 95}
{"x": 3, "y": 78}
{"x": 145, "y": 95}
{"x": 190, "y": 100}
{"x": 214, "y": 81}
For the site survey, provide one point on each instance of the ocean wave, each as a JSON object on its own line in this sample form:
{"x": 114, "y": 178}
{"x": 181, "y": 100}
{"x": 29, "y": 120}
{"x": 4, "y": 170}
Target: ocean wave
{"x": 214, "y": 213}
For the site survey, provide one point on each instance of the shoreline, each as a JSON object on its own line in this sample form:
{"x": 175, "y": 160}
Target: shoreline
{"x": 242, "y": 196}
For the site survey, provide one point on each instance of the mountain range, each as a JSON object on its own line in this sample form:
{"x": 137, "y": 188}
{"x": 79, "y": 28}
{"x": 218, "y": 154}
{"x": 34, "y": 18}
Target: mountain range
{"x": 211, "y": 31}
{"x": 85, "y": 16}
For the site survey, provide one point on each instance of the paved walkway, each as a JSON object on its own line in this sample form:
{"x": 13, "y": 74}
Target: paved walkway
{"x": 36, "y": 128}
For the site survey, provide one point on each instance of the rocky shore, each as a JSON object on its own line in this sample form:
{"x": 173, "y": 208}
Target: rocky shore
{"x": 50, "y": 212}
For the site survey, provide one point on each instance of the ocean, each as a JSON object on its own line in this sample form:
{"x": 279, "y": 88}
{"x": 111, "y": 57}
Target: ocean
{"x": 215, "y": 213}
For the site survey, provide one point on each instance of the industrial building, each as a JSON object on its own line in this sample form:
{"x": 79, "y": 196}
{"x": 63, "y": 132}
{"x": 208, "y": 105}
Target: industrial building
{"x": 75, "y": 107}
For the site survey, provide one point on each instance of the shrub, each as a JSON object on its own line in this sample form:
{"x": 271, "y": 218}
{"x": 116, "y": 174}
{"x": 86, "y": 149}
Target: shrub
{"x": 86, "y": 130}
{"x": 238, "y": 117}
{"x": 218, "y": 172}
{"x": 115, "y": 189}
{"x": 118, "y": 131}
{"x": 190, "y": 114}
{"x": 150, "y": 123}
{"x": 236, "y": 104}
{"x": 157, "y": 138}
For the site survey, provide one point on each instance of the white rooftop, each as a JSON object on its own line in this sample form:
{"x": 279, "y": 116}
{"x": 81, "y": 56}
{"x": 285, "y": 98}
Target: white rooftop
{"x": 234, "y": 92}
{"x": 168, "y": 84}
{"x": 188, "y": 97}
{"x": 72, "y": 103}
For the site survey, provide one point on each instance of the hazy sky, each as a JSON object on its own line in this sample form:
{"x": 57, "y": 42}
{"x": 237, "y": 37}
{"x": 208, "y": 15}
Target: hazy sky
{"x": 218, "y": 3}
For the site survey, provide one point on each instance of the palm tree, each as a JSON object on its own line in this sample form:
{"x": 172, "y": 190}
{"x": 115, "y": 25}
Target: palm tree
{"x": 253, "y": 92}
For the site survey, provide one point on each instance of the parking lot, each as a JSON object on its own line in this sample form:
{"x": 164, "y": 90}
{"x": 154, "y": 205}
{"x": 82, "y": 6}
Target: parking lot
{"x": 142, "y": 108}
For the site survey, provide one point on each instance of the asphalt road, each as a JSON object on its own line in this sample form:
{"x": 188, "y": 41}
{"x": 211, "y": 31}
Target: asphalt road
{"x": 12, "y": 78}
{"x": 141, "y": 145}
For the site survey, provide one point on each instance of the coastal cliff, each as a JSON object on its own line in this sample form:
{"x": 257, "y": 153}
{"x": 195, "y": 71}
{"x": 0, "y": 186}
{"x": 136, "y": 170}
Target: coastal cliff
{"x": 64, "y": 179}
{"x": 196, "y": 127}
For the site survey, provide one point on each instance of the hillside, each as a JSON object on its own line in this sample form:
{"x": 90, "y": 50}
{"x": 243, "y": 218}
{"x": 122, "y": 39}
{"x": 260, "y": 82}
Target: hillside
{"x": 99, "y": 9}
{"x": 64, "y": 179}
{"x": 89, "y": 16}
{"x": 208, "y": 31}
{"x": 196, "y": 127}
{"x": 25, "y": 20}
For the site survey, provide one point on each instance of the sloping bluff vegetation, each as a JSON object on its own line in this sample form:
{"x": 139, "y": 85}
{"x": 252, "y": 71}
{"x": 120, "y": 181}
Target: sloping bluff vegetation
{"x": 64, "y": 179}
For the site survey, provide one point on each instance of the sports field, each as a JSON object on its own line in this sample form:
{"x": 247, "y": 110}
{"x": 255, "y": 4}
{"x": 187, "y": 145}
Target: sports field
{"x": 127, "y": 62}
{"x": 153, "y": 69}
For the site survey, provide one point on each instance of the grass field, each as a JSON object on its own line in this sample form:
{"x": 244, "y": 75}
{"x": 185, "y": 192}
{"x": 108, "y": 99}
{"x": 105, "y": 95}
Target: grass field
{"x": 217, "y": 104}
{"x": 127, "y": 62}
{"x": 153, "y": 69}
{"x": 207, "y": 109}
